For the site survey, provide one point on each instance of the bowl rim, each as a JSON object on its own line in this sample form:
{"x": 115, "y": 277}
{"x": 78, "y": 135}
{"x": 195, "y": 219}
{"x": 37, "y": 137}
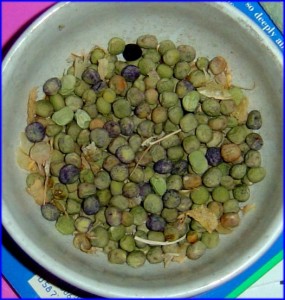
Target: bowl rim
{"x": 63, "y": 272}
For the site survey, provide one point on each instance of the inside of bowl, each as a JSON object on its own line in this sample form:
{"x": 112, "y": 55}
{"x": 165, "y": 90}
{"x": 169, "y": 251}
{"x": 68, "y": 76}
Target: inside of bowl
{"x": 212, "y": 29}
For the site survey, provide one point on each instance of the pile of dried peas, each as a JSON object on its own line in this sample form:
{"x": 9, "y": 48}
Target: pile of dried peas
{"x": 143, "y": 151}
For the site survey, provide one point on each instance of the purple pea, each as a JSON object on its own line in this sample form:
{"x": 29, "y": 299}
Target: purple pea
{"x": 50, "y": 212}
{"x": 145, "y": 189}
{"x": 68, "y": 174}
{"x": 127, "y": 126}
{"x": 35, "y": 132}
{"x": 113, "y": 128}
{"x": 91, "y": 205}
{"x": 99, "y": 86}
{"x": 180, "y": 168}
{"x": 188, "y": 85}
{"x": 213, "y": 156}
{"x": 52, "y": 86}
{"x": 163, "y": 166}
{"x": 91, "y": 76}
{"x": 155, "y": 223}
{"x": 130, "y": 73}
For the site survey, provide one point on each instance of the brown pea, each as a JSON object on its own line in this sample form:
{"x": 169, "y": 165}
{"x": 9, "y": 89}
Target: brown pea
{"x": 159, "y": 115}
{"x": 230, "y": 152}
{"x": 191, "y": 181}
{"x": 230, "y": 220}
{"x": 192, "y": 237}
{"x": 217, "y": 65}
{"x": 96, "y": 123}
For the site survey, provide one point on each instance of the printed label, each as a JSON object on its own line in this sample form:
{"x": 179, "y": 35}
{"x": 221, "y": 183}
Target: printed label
{"x": 47, "y": 290}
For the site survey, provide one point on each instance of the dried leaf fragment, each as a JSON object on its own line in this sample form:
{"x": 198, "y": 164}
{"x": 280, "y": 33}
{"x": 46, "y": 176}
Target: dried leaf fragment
{"x": 31, "y": 109}
{"x": 240, "y": 112}
{"x": 25, "y": 162}
{"x": 37, "y": 191}
{"x": 214, "y": 90}
{"x": 202, "y": 215}
{"x": 103, "y": 67}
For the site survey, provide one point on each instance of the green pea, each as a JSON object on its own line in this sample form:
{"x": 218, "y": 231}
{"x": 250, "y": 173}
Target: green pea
{"x": 127, "y": 243}
{"x": 256, "y": 174}
{"x": 169, "y": 214}
{"x": 117, "y": 232}
{"x": 237, "y": 135}
{"x": 165, "y": 85}
{"x": 152, "y": 54}
{"x": 116, "y": 46}
{"x": 164, "y": 71}
{"x": 190, "y": 144}
{"x": 63, "y": 116}
{"x": 100, "y": 137}
{"x": 212, "y": 177}
{"x": 181, "y": 70}
{"x": 57, "y": 101}
{"x": 175, "y": 114}
{"x": 44, "y": 108}
{"x": 117, "y": 256}
{"x": 202, "y": 63}
{"x": 137, "y": 175}
{"x": 238, "y": 171}
{"x": 136, "y": 259}
{"x": 153, "y": 204}
{"x": 200, "y": 195}
{"x": 65, "y": 225}
{"x": 146, "y": 129}
{"x": 97, "y": 54}
{"x": 73, "y": 159}
{"x": 89, "y": 96}
{"x": 157, "y": 152}
{"x": 169, "y": 127}
{"x": 122, "y": 108}
{"x": 139, "y": 214}
{"x": 52, "y": 130}
{"x": 228, "y": 182}
{"x": 197, "y": 78}
{"x": 168, "y": 99}
{"x": 175, "y": 153}
{"x": 82, "y": 224}
{"x": 237, "y": 94}
{"x": 211, "y": 107}
{"x": 120, "y": 202}
{"x": 174, "y": 182}
{"x": 220, "y": 194}
{"x": 187, "y": 53}
{"x": 147, "y": 41}
{"x": 188, "y": 122}
{"x": 66, "y": 144}
{"x": 204, "y": 133}
{"x": 102, "y": 180}
{"x": 158, "y": 184}
{"x": 68, "y": 83}
{"x": 165, "y": 45}
{"x": 227, "y": 107}
{"x": 196, "y": 250}
{"x": 86, "y": 189}
{"x": 146, "y": 65}
{"x": 171, "y": 57}
{"x": 155, "y": 236}
{"x": 241, "y": 193}
{"x": 198, "y": 161}
{"x": 253, "y": 159}
{"x": 190, "y": 101}
{"x": 231, "y": 206}
{"x": 82, "y": 118}
{"x": 210, "y": 240}
{"x": 155, "y": 255}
